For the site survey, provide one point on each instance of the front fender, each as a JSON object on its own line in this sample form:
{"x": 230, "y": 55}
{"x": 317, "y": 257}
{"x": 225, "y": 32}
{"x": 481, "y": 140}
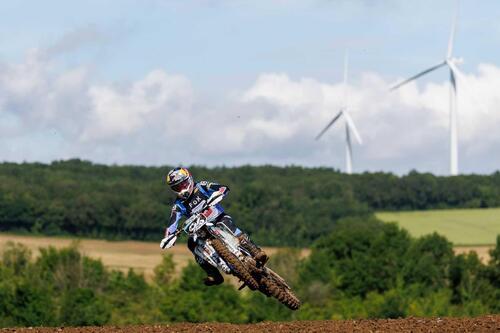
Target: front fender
{"x": 205, "y": 251}
{"x": 223, "y": 233}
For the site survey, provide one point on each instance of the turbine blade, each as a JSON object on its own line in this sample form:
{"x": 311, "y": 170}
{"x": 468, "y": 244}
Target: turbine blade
{"x": 351, "y": 125}
{"x": 418, "y": 75}
{"x": 329, "y": 124}
{"x": 346, "y": 64}
{"x": 453, "y": 81}
{"x": 457, "y": 73}
{"x": 452, "y": 33}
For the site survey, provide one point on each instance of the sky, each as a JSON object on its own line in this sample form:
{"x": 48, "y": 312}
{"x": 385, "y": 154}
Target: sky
{"x": 160, "y": 82}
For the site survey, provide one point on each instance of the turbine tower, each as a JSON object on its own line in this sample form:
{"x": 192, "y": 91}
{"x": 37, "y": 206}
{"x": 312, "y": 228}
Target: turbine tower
{"x": 349, "y": 124}
{"x": 451, "y": 62}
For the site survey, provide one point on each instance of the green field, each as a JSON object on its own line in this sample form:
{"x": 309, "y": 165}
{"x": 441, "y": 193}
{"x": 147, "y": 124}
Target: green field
{"x": 461, "y": 226}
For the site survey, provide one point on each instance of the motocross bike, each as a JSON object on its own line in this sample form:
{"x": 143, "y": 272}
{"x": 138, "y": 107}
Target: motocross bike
{"x": 218, "y": 246}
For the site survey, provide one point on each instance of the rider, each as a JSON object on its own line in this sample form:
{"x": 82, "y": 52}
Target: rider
{"x": 191, "y": 198}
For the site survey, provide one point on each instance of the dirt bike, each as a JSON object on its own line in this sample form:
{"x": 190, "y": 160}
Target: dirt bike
{"x": 218, "y": 246}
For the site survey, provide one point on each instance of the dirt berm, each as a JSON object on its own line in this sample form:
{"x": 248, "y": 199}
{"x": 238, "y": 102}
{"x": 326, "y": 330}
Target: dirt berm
{"x": 479, "y": 324}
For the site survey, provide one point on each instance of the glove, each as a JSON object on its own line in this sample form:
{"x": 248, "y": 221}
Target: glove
{"x": 168, "y": 241}
{"x": 215, "y": 197}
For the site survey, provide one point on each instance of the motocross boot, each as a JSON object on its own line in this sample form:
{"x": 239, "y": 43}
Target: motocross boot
{"x": 214, "y": 277}
{"x": 212, "y": 281}
{"x": 257, "y": 253}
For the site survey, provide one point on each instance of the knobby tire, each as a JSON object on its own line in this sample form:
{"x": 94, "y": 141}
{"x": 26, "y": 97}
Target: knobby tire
{"x": 238, "y": 268}
{"x": 270, "y": 288}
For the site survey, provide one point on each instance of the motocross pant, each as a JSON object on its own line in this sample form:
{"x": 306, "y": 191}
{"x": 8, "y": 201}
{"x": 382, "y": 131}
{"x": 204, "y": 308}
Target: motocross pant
{"x": 212, "y": 271}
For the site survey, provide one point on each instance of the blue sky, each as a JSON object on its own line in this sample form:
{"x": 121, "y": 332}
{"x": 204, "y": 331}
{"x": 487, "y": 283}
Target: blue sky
{"x": 218, "y": 50}
{"x": 207, "y": 39}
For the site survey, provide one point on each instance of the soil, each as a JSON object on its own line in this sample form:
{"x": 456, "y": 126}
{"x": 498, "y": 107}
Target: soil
{"x": 483, "y": 252}
{"x": 479, "y": 324}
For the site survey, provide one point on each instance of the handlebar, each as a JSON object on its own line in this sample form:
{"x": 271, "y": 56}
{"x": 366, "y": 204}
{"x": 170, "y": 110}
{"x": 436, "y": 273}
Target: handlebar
{"x": 216, "y": 200}
{"x": 210, "y": 203}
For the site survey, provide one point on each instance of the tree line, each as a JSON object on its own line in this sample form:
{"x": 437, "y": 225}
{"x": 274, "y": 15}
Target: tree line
{"x": 362, "y": 269}
{"x": 280, "y": 206}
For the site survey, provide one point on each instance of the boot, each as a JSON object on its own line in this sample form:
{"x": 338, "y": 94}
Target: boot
{"x": 257, "y": 253}
{"x": 212, "y": 281}
{"x": 214, "y": 277}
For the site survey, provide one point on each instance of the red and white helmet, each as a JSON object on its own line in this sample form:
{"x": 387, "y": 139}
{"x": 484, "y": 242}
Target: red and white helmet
{"x": 181, "y": 182}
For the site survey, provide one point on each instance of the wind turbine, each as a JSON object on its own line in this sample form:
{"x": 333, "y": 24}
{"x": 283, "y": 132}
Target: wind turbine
{"x": 349, "y": 124}
{"x": 451, "y": 62}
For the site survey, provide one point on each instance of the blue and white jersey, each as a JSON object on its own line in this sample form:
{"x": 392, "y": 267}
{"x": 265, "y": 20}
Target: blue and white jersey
{"x": 195, "y": 203}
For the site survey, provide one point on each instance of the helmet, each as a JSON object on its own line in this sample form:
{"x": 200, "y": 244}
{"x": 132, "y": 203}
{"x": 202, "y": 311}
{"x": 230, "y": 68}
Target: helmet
{"x": 181, "y": 182}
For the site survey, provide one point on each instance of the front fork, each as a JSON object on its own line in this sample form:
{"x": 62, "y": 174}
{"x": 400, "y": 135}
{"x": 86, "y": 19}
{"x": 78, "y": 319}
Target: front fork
{"x": 205, "y": 251}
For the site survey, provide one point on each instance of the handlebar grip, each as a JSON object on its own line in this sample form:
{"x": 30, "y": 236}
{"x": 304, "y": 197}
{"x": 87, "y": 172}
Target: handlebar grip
{"x": 214, "y": 201}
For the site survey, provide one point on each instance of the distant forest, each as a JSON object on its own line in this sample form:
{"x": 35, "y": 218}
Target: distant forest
{"x": 279, "y": 206}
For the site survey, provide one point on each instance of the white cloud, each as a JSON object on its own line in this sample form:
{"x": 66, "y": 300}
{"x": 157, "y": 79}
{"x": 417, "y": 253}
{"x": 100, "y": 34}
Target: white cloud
{"x": 279, "y": 89}
{"x": 49, "y": 113}
{"x": 149, "y": 101}
{"x": 399, "y": 128}
{"x": 76, "y": 38}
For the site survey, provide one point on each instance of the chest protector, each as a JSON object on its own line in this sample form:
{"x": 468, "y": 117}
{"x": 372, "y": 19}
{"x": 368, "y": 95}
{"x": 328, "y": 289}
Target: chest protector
{"x": 196, "y": 201}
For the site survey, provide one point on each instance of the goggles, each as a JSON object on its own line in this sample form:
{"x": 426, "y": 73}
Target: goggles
{"x": 184, "y": 185}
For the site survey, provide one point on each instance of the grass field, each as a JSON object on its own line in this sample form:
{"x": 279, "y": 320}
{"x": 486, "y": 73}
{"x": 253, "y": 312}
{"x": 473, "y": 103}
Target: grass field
{"x": 143, "y": 257}
{"x": 466, "y": 227}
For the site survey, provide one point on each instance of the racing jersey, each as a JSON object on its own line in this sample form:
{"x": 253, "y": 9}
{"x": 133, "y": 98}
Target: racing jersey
{"x": 195, "y": 203}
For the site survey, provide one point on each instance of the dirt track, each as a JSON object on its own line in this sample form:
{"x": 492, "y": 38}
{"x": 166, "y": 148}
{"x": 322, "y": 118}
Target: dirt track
{"x": 480, "y": 324}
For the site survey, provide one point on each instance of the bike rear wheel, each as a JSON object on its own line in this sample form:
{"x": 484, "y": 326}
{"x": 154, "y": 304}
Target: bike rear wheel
{"x": 269, "y": 287}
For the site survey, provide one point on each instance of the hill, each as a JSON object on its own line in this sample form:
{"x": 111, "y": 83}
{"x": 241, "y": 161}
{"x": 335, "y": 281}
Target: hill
{"x": 278, "y": 206}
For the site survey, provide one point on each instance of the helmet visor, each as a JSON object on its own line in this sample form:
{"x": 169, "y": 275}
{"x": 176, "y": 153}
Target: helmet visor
{"x": 184, "y": 185}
